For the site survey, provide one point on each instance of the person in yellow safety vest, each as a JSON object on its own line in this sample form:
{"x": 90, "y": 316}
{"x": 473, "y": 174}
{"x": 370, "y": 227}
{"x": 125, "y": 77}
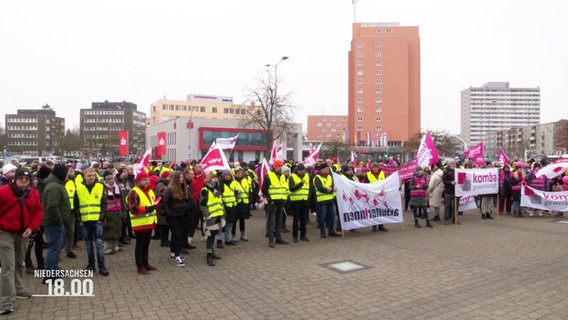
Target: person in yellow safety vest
{"x": 69, "y": 222}
{"x": 275, "y": 190}
{"x": 91, "y": 203}
{"x": 325, "y": 194}
{"x": 229, "y": 191}
{"x": 243, "y": 183}
{"x": 97, "y": 166}
{"x": 141, "y": 203}
{"x": 211, "y": 206}
{"x": 299, "y": 186}
{"x": 253, "y": 182}
{"x": 374, "y": 176}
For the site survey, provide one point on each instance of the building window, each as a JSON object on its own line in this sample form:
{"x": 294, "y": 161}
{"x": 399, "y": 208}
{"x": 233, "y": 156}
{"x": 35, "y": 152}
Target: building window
{"x": 389, "y": 30}
{"x": 378, "y": 81}
{"x": 226, "y": 110}
{"x": 379, "y": 91}
{"x": 379, "y": 109}
{"x": 359, "y": 72}
{"x": 319, "y": 134}
{"x": 171, "y": 107}
{"x": 378, "y": 63}
{"x": 359, "y": 54}
{"x": 359, "y": 81}
{"x": 214, "y": 109}
{"x": 359, "y": 45}
{"x": 359, "y": 100}
{"x": 359, "y": 63}
{"x": 378, "y": 119}
{"x": 202, "y": 109}
{"x": 378, "y": 72}
{"x": 378, "y": 45}
{"x": 319, "y": 124}
{"x": 359, "y": 128}
{"x": 378, "y": 128}
{"x": 359, "y": 118}
{"x": 164, "y": 107}
{"x": 378, "y": 100}
{"x": 378, "y": 54}
{"x": 184, "y": 108}
{"x": 380, "y": 30}
{"x": 360, "y": 91}
{"x": 359, "y": 109}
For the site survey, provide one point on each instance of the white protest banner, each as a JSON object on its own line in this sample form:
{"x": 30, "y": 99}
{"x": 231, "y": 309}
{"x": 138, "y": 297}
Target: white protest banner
{"x": 368, "y": 204}
{"x": 476, "y": 181}
{"x": 543, "y": 200}
{"x": 227, "y": 143}
{"x": 467, "y": 203}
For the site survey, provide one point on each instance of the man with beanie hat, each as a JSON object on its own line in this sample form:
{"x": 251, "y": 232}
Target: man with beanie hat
{"x": 20, "y": 216}
{"x": 8, "y": 172}
{"x": 275, "y": 189}
{"x": 57, "y": 208}
{"x": 90, "y": 200}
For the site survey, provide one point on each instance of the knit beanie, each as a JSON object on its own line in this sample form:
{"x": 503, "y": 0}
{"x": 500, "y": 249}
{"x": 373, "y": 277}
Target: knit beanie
{"x": 60, "y": 171}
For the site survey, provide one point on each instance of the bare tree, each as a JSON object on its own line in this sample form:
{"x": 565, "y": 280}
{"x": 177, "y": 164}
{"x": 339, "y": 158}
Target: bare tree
{"x": 269, "y": 110}
{"x": 562, "y": 135}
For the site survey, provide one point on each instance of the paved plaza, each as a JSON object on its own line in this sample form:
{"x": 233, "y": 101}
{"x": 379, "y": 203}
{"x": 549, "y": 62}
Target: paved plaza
{"x": 505, "y": 268}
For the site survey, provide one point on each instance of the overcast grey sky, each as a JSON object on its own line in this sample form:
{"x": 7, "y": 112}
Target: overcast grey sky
{"x": 71, "y": 53}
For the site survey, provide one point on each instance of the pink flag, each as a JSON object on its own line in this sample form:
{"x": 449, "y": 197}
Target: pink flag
{"x": 264, "y": 170}
{"x": 276, "y": 151}
{"x": 427, "y": 152}
{"x": 311, "y": 159}
{"x": 142, "y": 163}
{"x": 215, "y": 160}
{"x": 227, "y": 143}
{"x": 475, "y": 152}
{"x": 502, "y": 158}
{"x": 354, "y": 159}
{"x": 368, "y": 138}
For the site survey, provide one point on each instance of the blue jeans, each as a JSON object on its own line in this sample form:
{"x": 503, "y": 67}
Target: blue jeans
{"x": 93, "y": 231}
{"x": 55, "y": 237}
{"x": 326, "y": 216}
{"x": 273, "y": 220}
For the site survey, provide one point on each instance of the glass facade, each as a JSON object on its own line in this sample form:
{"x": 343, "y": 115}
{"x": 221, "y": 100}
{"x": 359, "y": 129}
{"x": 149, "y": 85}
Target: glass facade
{"x": 246, "y": 139}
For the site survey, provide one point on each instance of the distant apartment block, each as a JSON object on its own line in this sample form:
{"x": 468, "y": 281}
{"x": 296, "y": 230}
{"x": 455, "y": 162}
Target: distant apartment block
{"x": 495, "y": 106}
{"x": 99, "y": 127}
{"x": 327, "y": 128}
{"x": 34, "y": 132}
{"x": 384, "y": 83}
{"x": 200, "y": 106}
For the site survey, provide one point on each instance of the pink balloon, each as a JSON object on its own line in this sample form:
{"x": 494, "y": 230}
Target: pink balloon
{"x": 565, "y": 179}
{"x": 480, "y": 161}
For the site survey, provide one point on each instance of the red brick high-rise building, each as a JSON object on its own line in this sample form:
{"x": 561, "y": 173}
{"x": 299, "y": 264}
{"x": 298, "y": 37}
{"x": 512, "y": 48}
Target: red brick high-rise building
{"x": 384, "y": 83}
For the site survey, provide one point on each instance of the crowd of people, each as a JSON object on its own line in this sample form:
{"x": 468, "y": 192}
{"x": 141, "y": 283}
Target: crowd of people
{"x": 55, "y": 206}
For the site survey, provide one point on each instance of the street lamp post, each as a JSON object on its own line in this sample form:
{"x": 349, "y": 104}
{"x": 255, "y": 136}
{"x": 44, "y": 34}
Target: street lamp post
{"x": 276, "y": 75}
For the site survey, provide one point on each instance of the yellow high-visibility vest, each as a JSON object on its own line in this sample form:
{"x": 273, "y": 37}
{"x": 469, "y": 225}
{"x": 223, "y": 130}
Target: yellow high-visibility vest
{"x": 278, "y": 189}
{"x": 302, "y": 193}
{"x": 90, "y": 202}
{"x": 326, "y": 182}
{"x": 142, "y": 219}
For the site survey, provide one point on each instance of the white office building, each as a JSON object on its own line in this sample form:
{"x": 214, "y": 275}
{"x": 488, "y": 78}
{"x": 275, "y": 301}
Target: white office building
{"x": 495, "y": 106}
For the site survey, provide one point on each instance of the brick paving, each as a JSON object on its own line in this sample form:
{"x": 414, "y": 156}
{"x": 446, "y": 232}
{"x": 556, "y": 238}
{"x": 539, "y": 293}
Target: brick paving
{"x": 505, "y": 268}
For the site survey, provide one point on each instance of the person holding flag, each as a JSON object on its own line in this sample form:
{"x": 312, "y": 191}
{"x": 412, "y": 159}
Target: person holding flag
{"x": 142, "y": 209}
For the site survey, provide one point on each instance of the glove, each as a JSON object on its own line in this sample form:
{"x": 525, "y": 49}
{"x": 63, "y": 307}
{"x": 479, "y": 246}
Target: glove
{"x": 150, "y": 208}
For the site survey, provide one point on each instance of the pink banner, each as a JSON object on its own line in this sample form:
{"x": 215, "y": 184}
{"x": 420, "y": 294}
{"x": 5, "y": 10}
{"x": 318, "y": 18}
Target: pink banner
{"x": 388, "y": 170}
{"x": 406, "y": 170}
{"x": 123, "y": 143}
{"x": 475, "y": 152}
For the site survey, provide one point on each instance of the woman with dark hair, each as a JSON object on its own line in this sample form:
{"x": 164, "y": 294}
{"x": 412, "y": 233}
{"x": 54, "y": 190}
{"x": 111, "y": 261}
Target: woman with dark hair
{"x": 175, "y": 199}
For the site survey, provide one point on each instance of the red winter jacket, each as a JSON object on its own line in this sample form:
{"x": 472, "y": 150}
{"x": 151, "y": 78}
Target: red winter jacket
{"x": 16, "y": 217}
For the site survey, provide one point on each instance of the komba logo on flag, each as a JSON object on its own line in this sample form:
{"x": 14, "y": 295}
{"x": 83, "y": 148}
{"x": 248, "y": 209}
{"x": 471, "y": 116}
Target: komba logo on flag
{"x": 476, "y": 181}
{"x": 367, "y": 204}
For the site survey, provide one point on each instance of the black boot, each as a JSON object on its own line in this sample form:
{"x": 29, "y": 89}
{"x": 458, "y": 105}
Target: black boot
{"x": 488, "y": 216}
{"x": 416, "y": 224}
{"x": 220, "y": 244}
{"x": 483, "y": 216}
{"x": 428, "y": 224}
{"x": 210, "y": 260}
{"x": 215, "y": 256}
{"x": 436, "y": 218}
